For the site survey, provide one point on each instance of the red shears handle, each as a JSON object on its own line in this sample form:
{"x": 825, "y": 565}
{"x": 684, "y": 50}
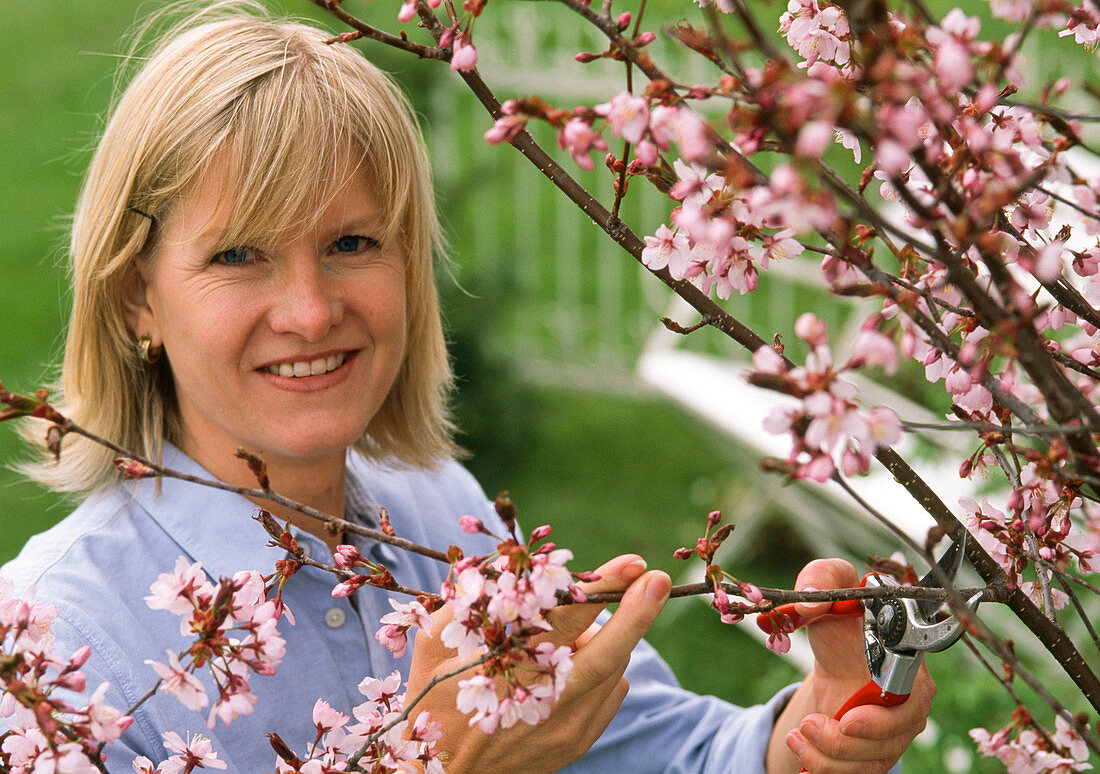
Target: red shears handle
{"x": 845, "y": 608}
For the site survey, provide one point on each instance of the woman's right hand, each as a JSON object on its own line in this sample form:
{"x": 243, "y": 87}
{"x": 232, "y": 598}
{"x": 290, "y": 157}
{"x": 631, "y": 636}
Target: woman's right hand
{"x": 595, "y": 689}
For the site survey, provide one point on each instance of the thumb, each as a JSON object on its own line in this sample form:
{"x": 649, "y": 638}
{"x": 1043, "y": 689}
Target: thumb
{"x": 820, "y": 575}
{"x": 571, "y": 621}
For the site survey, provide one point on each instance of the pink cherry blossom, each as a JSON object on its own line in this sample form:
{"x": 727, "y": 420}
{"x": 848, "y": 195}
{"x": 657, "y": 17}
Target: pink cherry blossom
{"x": 196, "y": 752}
{"x": 178, "y": 682}
{"x": 628, "y": 116}
{"x": 577, "y": 136}
{"x": 464, "y": 55}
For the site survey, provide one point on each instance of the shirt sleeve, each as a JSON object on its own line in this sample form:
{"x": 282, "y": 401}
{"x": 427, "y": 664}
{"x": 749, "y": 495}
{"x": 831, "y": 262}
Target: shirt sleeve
{"x": 663, "y": 728}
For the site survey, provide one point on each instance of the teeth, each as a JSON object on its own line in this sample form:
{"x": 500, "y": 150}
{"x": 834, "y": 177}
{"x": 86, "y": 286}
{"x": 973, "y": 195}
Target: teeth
{"x": 321, "y": 365}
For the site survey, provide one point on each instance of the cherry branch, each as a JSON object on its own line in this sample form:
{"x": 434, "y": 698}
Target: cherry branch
{"x": 774, "y": 597}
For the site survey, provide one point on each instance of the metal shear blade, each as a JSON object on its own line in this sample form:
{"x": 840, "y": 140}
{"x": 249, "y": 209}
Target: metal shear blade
{"x": 946, "y": 569}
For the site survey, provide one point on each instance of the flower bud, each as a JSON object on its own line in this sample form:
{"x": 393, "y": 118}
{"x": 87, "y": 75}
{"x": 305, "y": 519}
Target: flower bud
{"x": 346, "y": 557}
{"x": 506, "y": 509}
{"x": 132, "y": 468}
{"x": 751, "y": 593}
{"x": 540, "y": 533}
{"x": 384, "y": 522}
{"x": 624, "y": 20}
{"x": 470, "y": 525}
{"x": 350, "y": 586}
{"x": 53, "y": 440}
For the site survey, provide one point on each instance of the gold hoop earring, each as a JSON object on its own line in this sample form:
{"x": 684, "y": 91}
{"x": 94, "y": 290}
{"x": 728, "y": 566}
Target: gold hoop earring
{"x": 147, "y": 352}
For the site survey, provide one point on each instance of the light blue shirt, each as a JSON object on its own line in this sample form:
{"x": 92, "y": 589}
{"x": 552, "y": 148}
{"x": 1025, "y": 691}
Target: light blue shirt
{"x": 97, "y": 566}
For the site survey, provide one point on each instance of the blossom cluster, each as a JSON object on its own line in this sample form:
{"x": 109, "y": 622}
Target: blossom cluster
{"x": 1022, "y": 749}
{"x": 463, "y": 52}
{"x": 500, "y": 603}
{"x": 378, "y": 735}
{"x": 46, "y": 731}
{"x": 729, "y": 611}
{"x": 1036, "y": 529}
{"x": 235, "y": 631}
{"x": 828, "y": 428}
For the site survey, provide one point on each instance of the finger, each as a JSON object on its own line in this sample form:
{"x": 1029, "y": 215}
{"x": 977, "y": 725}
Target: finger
{"x": 571, "y": 621}
{"x": 586, "y": 636}
{"x": 816, "y": 761}
{"x": 606, "y": 711}
{"x": 610, "y": 648}
{"x": 822, "y": 574}
{"x": 879, "y": 723}
{"x": 826, "y": 736}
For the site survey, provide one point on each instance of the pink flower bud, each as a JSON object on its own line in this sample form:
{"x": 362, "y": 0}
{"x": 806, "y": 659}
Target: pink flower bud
{"x": 349, "y": 587}
{"x": 683, "y": 553}
{"x": 347, "y": 556}
{"x": 131, "y": 468}
{"x": 645, "y": 39}
{"x": 810, "y": 329}
{"x": 623, "y": 21}
{"x": 541, "y": 533}
{"x": 713, "y": 518}
{"x": 470, "y": 525}
{"x": 584, "y": 57}
{"x": 464, "y": 55}
{"x": 751, "y": 593}
{"x": 79, "y": 657}
{"x": 74, "y": 682}
{"x": 407, "y": 11}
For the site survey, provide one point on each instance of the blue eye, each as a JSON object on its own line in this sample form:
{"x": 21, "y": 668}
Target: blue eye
{"x": 354, "y": 244}
{"x": 235, "y": 255}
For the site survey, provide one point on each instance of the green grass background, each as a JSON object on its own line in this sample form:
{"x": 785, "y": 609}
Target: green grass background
{"x": 608, "y": 470}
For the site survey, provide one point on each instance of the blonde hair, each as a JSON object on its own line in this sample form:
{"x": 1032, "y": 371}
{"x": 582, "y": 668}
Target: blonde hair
{"x": 283, "y": 107}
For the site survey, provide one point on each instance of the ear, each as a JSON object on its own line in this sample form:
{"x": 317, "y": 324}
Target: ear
{"x": 137, "y": 305}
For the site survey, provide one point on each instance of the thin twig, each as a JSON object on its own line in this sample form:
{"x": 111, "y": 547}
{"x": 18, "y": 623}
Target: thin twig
{"x": 784, "y": 596}
{"x": 265, "y": 494}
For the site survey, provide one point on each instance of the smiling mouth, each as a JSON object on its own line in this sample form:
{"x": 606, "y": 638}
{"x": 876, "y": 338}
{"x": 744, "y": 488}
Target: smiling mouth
{"x": 302, "y": 368}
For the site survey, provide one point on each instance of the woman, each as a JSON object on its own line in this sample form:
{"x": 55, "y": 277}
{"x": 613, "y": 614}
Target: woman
{"x": 252, "y": 266}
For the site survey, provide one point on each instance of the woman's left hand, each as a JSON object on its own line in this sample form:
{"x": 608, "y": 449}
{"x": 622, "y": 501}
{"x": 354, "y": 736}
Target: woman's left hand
{"x": 867, "y": 739}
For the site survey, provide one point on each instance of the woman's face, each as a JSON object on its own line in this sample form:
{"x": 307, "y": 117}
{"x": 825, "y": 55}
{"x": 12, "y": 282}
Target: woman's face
{"x": 287, "y": 349}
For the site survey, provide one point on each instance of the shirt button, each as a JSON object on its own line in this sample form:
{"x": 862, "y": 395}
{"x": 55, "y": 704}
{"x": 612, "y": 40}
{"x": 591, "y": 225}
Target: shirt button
{"x": 335, "y": 618}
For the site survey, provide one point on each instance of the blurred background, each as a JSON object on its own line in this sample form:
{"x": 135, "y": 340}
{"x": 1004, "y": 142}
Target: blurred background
{"x": 572, "y": 396}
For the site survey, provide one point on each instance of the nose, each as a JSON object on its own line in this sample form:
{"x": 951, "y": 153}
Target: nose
{"x": 307, "y": 302}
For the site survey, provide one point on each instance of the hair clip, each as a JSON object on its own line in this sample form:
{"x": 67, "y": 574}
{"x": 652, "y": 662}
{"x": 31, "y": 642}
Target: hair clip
{"x": 142, "y": 214}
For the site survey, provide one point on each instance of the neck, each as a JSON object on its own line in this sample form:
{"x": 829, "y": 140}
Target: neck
{"x": 316, "y": 482}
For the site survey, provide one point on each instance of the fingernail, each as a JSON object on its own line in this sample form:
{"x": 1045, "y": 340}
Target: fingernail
{"x": 795, "y": 742}
{"x": 810, "y": 729}
{"x": 812, "y": 608}
{"x": 658, "y": 586}
{"x": 854, "y": 728}
{"x": 633, "y": 570}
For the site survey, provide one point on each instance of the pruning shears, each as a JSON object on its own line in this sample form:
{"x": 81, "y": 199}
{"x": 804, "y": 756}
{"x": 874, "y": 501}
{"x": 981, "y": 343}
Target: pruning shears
{"x": 897, "y": 632}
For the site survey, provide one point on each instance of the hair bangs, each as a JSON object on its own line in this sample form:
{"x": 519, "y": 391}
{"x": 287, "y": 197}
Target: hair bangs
{"x": 295, "y": 137}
